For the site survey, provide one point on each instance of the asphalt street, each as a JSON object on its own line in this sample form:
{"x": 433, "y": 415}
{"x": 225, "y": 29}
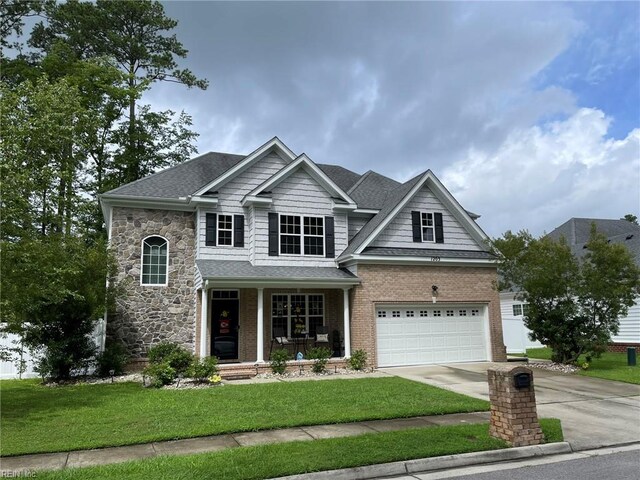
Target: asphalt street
{"x": 619, "y": 463}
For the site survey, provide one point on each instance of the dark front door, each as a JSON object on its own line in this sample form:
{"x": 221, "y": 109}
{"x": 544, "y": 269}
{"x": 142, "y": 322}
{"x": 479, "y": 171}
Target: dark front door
{"x": 224, "y": 323}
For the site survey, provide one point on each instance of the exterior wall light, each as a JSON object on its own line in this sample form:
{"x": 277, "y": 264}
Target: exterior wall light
{"x": 434, "y": 293}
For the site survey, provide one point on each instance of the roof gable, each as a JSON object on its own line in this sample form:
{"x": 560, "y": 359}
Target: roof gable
{"x": 578, "y": 230}
{"x": 305, "y": 163}
{"x": 273, "y": 145}
{"x": 397, "y": 199}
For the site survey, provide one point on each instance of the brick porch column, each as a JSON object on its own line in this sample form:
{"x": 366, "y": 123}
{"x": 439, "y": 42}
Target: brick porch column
{"x": 513, "y": 409}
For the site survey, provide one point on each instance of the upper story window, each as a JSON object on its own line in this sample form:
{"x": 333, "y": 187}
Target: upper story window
{"x": 428, "y": 234}
{"x": 427, "y": 227}
{"x": 301, "y": 235}
{"x": 225, "y": 230}
{"x": 155, "y": 261}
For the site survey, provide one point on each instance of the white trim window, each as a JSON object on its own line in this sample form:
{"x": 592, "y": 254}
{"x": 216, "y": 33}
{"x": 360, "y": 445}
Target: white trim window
{"x": 155, "y": 261}
{"x": 520, "y": 309}
{"x": 225, "y": 230}
{"x": 302, "y": 235}
{"x": 427, "y": 227}
{"x": 296, "y": 313}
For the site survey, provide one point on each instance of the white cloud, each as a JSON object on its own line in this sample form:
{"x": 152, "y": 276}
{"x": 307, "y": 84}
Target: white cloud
{"x": 541, "y": 176}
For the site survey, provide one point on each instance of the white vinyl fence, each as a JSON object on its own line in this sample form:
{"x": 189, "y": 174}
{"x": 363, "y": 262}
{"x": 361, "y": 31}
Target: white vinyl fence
{"x": 11, "y": 370}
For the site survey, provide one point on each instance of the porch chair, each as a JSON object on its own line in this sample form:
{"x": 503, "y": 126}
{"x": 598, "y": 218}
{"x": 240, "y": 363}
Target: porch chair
{"x": 322, "y": 335}
{"x": 280, "y": 338}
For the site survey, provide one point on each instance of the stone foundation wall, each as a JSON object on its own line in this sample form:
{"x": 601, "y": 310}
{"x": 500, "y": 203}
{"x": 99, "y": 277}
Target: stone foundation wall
{"x": 147, "y": 315}
{"x": 622, "y": 347}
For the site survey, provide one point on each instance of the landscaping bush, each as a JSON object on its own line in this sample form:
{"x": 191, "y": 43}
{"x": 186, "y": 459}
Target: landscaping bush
{"x": 114, "y": 357}
{"x": 279, "y": 361}
{"x": 201, "y": 369}
{"x": 320, "y": 357}
{"x": 161, "y": 374}
{"x": 358, "y": 360}
{"x": 62, "y": 336}
{"x": 178, "y": 357}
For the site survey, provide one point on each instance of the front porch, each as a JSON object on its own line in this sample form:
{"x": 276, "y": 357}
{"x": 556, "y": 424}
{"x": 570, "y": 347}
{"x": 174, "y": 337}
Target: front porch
{"x": 243, "y": 325}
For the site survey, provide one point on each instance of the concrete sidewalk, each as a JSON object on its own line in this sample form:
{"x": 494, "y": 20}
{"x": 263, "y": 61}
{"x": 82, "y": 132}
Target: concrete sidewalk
{"x": 104, "y": 456}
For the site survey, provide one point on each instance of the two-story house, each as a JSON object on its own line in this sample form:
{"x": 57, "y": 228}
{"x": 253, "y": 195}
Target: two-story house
{"x": 224, "y": 253}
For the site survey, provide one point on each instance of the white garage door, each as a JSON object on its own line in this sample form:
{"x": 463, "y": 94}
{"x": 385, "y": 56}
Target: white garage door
{"x": 425, "y": 334}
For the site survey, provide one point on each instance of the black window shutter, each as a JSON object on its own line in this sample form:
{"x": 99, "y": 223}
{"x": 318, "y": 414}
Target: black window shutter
{"x": 329, "y": 238}
{"x": 437, "y": 221}
{"x": 238, "y": 230}
{"x": 273, "y": 234}
{"x": 210, "y": 230}
{"x": 417, "y": 226}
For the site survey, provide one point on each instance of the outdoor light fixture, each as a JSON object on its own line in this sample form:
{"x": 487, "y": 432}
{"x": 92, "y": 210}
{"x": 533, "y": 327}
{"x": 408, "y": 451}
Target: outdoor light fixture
{"x": 112, "y": 373}
{"x": 434, "y": 293}
{"x": 179, "y": 378}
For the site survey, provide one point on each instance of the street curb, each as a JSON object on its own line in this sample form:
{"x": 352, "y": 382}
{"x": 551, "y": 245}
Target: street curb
{"x": 424, "y": 465}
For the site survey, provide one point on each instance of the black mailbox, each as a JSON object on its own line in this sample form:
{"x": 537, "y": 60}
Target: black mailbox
{"x": 522, "y": 380}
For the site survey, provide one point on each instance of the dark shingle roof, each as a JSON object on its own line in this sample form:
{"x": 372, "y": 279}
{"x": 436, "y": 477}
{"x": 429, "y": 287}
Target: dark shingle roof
{"x": 341, "y": 176}
{"x": 241, "y": 270}
{"x": 427, "y": 252}
{"x": 180, "y": 180}
{"x": 578, "y": 230}
{"x": 372, "y": 189}
{"x": 394, "y": 197}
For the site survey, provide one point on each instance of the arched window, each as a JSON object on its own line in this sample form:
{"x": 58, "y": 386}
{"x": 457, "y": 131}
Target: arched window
{"x": 155, "y": 261}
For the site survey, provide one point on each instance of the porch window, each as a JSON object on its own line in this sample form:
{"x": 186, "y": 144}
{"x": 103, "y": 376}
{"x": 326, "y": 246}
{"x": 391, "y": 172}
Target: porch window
{"x": 155, "y": 261}
{"x": 296, "y": 313}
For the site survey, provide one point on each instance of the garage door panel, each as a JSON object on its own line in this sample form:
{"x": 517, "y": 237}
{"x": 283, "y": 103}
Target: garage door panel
{"x": 423, "y": 334}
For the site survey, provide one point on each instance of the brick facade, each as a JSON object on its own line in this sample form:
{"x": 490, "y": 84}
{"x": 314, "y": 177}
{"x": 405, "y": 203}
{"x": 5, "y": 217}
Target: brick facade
{"x": 411, "y": 284}
{"x": 622, "y": 347}
{"x": 514, "y": 418}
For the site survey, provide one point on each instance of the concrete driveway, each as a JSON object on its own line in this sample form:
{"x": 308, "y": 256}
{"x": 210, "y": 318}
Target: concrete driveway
{"x": 594, "y": 412}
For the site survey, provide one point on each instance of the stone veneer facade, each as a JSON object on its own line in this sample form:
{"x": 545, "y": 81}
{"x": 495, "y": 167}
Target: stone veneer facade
{"x": 407, "y": 284}
{"x": 147, "y": 315}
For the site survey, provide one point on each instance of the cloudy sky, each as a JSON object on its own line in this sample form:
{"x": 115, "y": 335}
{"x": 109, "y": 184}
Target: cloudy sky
{"x": 528, "y": 112}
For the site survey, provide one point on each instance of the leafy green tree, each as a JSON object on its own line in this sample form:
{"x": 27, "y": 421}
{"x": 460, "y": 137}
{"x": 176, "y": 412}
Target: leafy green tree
{"x": 133, "y": 36}
{"x": 574, "y": 304}
{"x": 629, "y": 217}
{"x": 53, "y": 291}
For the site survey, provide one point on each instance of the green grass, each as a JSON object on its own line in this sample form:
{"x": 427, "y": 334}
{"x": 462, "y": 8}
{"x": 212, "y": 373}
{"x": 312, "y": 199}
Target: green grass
{"x": 274, "y": 460}
{"x": 610, "y": 366}
{"x": 37, "y": 418}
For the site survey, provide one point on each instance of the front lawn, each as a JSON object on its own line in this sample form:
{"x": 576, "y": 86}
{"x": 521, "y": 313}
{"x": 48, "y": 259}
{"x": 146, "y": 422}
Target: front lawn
{"x": 37, "y": 418}
{"x": 280, "y": 459}
{"x": 610, "y": 366}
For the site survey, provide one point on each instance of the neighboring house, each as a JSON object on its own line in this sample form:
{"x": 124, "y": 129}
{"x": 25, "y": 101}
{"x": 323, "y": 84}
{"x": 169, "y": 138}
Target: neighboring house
{"x": 576, "y": 232}
{"x": 224, "y": 253}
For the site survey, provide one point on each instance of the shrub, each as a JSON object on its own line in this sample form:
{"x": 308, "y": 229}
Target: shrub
{"x": 203, "y": 368}
{"x": 175, "y": 355}
{"x": 161, "y": 374}
{"x": 358, "y": 360}
{"x": 114, "y": 358}
{"x": 279, "y": 361}
{"x": 320, "y": 357}
{"x": 62, "y": 336}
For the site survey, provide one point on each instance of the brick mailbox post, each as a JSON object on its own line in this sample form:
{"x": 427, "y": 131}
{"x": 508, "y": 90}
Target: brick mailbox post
{"x": 513, "y": 406}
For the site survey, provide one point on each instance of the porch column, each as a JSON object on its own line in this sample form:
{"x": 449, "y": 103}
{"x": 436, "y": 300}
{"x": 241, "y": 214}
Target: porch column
{"x": 204, "y": 319}
{"x": 347, "y": 325}
{"x": 260, "y": 329}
